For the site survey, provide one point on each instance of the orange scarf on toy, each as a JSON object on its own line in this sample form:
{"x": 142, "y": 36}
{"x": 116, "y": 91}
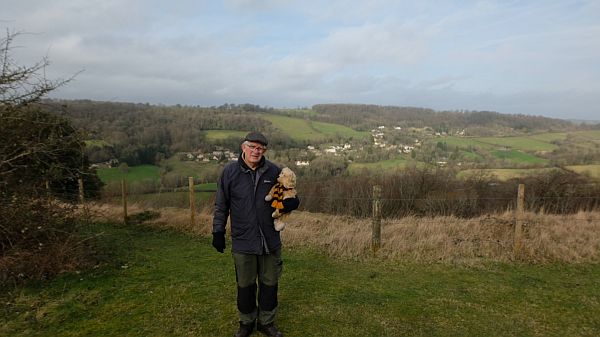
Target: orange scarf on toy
{"x": 278, "y": 196}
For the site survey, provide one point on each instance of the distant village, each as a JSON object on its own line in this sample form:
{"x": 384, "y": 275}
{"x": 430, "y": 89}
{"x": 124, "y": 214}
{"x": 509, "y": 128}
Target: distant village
{"x": 220, "y": 154}
{"x": 378, "y": 135}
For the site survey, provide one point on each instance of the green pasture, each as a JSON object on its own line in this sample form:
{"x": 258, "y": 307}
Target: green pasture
{"x": 591, "y": 170}
{"x": 294, "y": 127}
{"x": 505, "y": 174}
{"x": 157, "y": 282}
{"x": 463, "y": 143}
{"x": 336, "y": 129}
{"x": 146, "y": 173}
{"x": 188, "y": 168}
{"x": 384, "y": 165}
{"x": 213, "y": 135}
{"x": 518, "y": 157}
{"x": 519, "y": 143}
{"x": 549, "y": 137}
{"x": 471, "y": 156}
{"x": 134, "y": 173}
{"x": 301, "y": 129}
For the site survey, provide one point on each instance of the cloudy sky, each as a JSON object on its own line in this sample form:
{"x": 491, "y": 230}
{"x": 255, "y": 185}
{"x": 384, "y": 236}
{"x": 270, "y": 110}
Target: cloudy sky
{"x": 530, "y": 57}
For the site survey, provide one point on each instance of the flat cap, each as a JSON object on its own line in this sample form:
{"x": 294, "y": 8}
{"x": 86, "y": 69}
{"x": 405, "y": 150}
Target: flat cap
{"x": 256, "y": 137}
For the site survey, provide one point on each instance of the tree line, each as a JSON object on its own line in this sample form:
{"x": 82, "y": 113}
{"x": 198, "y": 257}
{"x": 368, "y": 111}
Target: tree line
{"x": 138, "y": 133}
{"x": 480, "y": 123}
{"x": 438, "y": 192}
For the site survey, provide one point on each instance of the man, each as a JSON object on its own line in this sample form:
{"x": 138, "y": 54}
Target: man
{"x": 256, "y": 245}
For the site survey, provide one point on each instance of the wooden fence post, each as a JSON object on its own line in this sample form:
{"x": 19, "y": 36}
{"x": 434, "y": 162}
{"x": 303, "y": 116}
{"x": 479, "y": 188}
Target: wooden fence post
{"x": 124, "y": 195}
{"x": 376, "y": 229}
{"x": 192, "y": 201}
{"x": 48, "y": 192}
{"x": 520, "y": 212}
{"x": 81, "y": 195}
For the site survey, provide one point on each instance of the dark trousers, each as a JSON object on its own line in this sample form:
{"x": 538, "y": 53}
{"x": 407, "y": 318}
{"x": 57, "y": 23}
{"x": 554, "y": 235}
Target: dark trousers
{"x": 267, "y": 268}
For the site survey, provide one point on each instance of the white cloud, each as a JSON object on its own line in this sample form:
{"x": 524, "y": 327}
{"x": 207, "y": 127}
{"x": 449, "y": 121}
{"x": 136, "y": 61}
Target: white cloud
{"x": 532, "y": 57}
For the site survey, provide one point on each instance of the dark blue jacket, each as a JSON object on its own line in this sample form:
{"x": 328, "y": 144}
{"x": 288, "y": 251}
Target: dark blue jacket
{"x": 241, "y": 194}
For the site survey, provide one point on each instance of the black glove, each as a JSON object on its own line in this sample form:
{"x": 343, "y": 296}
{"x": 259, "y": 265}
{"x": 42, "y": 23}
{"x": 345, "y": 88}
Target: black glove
{"x": 290, "y": 204}
{"x": 218, "y": 241}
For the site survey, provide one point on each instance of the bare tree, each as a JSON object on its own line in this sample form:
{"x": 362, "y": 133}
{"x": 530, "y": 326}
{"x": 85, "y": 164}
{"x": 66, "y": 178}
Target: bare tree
{"x": 35, "y": 146}
{"x": 21, "y": 85}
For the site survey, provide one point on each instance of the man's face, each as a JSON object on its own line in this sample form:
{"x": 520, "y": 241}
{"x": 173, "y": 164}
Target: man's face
{"x": 253, "y": 152}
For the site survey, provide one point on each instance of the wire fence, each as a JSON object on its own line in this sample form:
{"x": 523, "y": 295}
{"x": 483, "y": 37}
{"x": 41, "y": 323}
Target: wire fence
{"x": 191, "y": 207}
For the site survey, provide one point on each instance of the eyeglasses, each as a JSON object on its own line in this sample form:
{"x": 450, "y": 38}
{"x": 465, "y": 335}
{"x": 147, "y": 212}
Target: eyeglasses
{"x": 258, "y": 148}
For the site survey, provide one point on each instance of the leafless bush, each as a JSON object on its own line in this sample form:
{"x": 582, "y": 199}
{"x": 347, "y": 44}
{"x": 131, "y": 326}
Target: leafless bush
{"x": 38, "y": 239}
{"x": 438, "y": 192}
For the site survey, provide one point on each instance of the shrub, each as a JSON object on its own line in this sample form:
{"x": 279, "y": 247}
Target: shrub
{"x": 38, "y": 239}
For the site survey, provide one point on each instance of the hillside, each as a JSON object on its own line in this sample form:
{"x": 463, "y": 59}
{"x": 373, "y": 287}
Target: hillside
{"x": 336, "y": 138}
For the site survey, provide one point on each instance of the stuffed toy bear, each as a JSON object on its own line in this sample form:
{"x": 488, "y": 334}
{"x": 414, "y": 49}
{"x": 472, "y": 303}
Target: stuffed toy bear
{"x": 284, "y": 188}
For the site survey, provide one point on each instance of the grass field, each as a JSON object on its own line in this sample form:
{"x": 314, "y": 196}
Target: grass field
{"x": 212, "y": 135}
{"x": 519, "y": 143}
{"x": 591, "y": 134}
{"x": 189, "y": 168}
{"x": 506, "y": 174}
{"x": 591, "y": 170}
{"x": 153, "y": 282}
{"x": 549, "y": 136}
{"x": 518, "y": 157}
{"x": 134, "y": 173}
{"x": 539, "y": 142}
{"x": 464, "y": 143}
{"x": 166, "y": 199}
{"x": 301, "y": 129}
{"x": 385, "y": 165}
{"x": 471, "y": 156}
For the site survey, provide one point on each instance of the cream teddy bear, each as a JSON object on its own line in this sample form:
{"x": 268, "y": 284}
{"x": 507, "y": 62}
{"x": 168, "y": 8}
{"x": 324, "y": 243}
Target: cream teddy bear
{"x": 284, "y": 188}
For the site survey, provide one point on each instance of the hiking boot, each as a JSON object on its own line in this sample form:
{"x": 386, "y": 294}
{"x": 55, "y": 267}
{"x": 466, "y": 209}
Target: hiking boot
{"x": 245, "y": 330}
{"x": 269, "y": 330}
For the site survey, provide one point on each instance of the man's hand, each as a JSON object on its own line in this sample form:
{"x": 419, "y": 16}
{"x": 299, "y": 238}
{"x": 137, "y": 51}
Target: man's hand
{"x": 218, "y": 241}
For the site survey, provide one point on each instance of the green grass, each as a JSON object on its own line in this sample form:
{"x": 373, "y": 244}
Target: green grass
{"x": 519, "y": 157}
{"x": 463, "y": 143}
{"x": 549, "y": 136}
{"x": 179, "y": 199}
{"x": 164, "y": 283}
{"x": 134, "y": 173}
{"x": 519, "y": 143}
{"x": 301, "y": 129}
{"x": 471, "y": 156}
{"x": 384, "y": 165}
{"x": 212, "y": 135}
{"x": 295, "y": 128}
{"x": 188, "y": 168}
{"x": 336, "y": 129}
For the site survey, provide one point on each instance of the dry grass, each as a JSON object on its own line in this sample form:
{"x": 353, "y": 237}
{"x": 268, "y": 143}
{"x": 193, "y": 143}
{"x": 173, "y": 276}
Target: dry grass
{"x": 546, "y": 238}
